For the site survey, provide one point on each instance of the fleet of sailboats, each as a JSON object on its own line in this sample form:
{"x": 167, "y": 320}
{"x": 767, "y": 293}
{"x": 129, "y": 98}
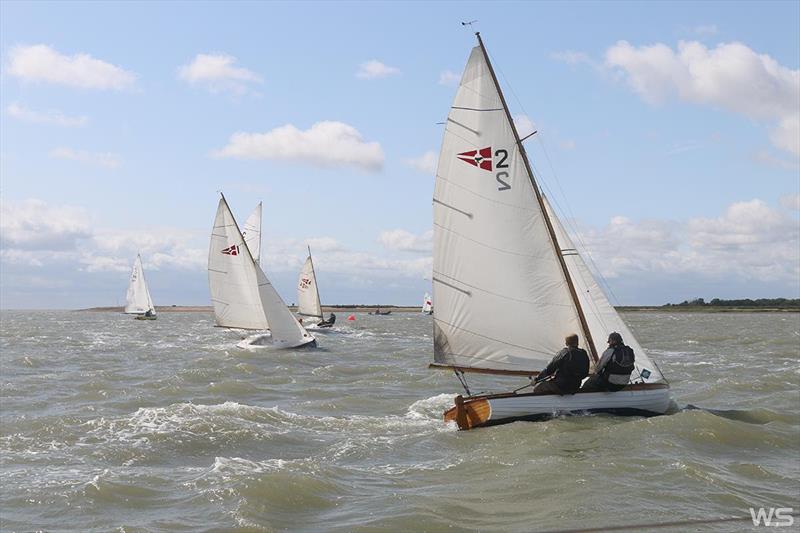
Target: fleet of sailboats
{"x": 242, "y": 295}
{"x": 507, "y": 310}
{"x": 504, "y": 312}
{"x": 138, "y": 300}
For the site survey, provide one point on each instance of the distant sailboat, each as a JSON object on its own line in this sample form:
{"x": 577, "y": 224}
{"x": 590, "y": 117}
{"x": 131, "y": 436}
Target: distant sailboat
{"x": 234, "y": 279}
{"x": 507, "y": 309}
{"x": 308, "y": 303}
{"x": 427, "y": 304}
{"x": 138, "y": 300}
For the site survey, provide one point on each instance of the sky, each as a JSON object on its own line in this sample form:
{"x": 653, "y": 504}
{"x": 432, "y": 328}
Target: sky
{"x": 668, "y": 136}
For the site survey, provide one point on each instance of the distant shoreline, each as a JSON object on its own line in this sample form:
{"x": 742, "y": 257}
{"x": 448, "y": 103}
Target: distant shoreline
{"x": 416, "y": 309}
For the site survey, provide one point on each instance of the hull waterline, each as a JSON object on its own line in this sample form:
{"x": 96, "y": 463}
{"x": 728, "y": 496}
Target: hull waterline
{"x": 648, "y": 399}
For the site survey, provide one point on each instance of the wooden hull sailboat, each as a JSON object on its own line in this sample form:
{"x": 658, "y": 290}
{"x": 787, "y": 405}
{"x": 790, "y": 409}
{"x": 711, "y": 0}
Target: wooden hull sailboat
{"x": 508, "y": 282}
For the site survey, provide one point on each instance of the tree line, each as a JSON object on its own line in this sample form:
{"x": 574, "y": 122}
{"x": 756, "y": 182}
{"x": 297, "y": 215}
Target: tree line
{"x": 746, "y": 302}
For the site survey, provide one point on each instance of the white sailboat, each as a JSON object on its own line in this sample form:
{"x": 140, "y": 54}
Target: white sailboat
{"x": 242, "y": 295}
{"x": 308, "y": 302}
{"x": 138, "y": 300}
{"x": 507, "y": 309}
{"x": 427, "y": 304}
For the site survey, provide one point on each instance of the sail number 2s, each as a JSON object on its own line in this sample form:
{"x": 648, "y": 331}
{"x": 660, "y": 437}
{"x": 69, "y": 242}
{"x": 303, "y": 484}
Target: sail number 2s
{"x": 484, "y": 158}
{"x": 502, "y": 175}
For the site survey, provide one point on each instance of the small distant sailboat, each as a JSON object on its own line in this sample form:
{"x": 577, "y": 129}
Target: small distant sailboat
{"x": 138, "y": 300}
{"x": 242, "y": 295}
{"x": 507, "y": 309}
{"x": 308, "y": 302}
{"x": 427, "y": 304}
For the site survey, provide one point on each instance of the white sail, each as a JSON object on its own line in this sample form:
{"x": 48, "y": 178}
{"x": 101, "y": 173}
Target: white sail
{"x": 287, "y": 332}
{"x": 502, "y": 300}
{"x": 601, "y": 317}
{"x": 232, "y": 276}
{"x": 138, "y": 297}
{"x": 252, "y": 233}
{"x": 308, "y": 303}
{"x": 427, "y": 303}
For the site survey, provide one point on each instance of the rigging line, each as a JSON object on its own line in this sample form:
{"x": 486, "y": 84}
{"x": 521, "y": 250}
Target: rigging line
{"x": 555, "y": 177}
{"x": 571, "y": 217}
{"x": 463, "y": 379}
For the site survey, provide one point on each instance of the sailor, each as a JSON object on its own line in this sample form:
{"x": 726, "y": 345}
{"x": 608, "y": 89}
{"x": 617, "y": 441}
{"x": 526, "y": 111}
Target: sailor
{"x": 614, "y": 369}
{"x": 566, "y": 371}
{"x": 149, "y": 312}
{"x": 331, "y": 320}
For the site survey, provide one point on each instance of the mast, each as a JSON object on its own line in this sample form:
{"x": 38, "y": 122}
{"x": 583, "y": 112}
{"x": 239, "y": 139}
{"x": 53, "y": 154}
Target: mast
{"x": 316, "y": 285}
{"x": 587, "y": 334}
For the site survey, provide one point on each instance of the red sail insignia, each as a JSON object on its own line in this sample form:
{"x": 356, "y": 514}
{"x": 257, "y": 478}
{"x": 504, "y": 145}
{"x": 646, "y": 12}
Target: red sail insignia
{"x": 231, "y": 250}
{"x": 480, "y": 158}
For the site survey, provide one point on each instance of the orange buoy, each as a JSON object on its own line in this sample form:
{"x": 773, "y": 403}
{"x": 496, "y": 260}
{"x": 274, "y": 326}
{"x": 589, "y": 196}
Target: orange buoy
{"x": 351, "y": 317}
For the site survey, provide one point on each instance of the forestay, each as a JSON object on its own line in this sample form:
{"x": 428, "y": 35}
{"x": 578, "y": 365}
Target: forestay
{"x": 252, "y": 233}
{"x": 137, "y": 299}
{"x": 601, "y": 316}
{"x": 232, "y": 276}
{"x": 502, "y": 299}
{"x": 308, "y": 303}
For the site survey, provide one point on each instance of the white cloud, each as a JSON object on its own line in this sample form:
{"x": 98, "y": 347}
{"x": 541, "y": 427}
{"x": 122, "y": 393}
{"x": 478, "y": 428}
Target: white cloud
{"x": 525, "y": 125}
{"x": 373, "y": 69}
{"x": 730, "y": 76}
{"x": 573, "y": 58}
{"x": 34, "y": 225}
{"x": 764, "y": 157}
{"x": 791, "y": 201}
{"x": 105, "y": 159}
{"x": 324, "y": 244}
{"x": 402, "y": 240}
{"x": 218, "y": 72}
{"x": 42, "y": 63}
{"x": 426, "y": 163}
{"x": 19, "y": 112}
{"x": 749, "y": 241}
{"x": 448, "y": 77}
{"x": 325, "y": 144}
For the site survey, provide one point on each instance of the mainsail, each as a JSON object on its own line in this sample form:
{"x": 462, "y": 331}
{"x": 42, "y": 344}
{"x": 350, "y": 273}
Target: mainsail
{"x": 502, "y": 300}
{"x": 233, "y": 281}
{"x": 252, "y": 233}
{"x": 138, "y": 299}
{"x": 308, "y": 303}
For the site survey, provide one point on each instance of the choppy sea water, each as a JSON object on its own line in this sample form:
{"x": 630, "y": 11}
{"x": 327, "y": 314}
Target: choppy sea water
{"x": 108, "y": 423}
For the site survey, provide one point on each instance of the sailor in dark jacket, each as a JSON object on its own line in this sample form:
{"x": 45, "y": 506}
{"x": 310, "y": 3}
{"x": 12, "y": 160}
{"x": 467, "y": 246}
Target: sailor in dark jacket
{"x": 613, "y": 371}
{"x": 565, "y": 372}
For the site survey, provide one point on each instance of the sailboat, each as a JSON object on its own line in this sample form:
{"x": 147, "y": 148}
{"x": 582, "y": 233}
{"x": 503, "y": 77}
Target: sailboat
{"x": 138, "y": 300}
{"x": 427, "y": 304}
{"x": 308, "y": 302}
{"x": 508, "y": 282}
{"x": 242, "y": 295}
